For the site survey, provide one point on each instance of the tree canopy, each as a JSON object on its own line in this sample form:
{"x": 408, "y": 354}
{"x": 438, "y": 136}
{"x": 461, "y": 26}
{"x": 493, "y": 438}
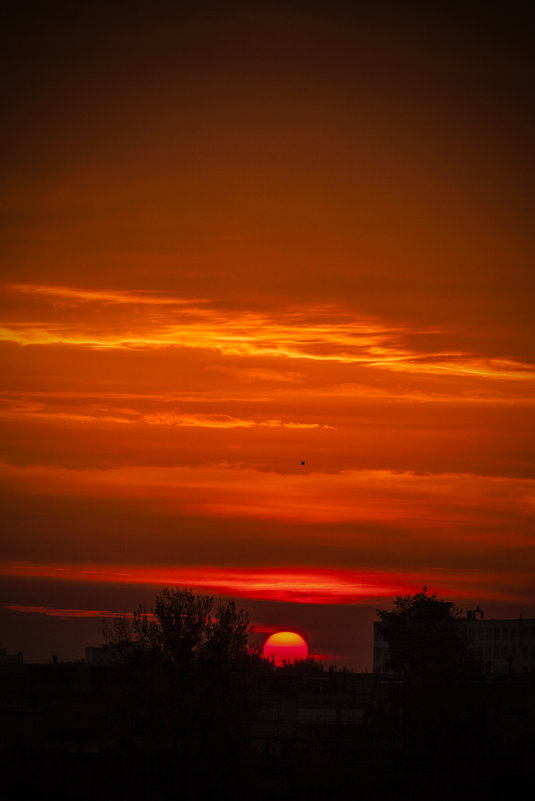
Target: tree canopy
{"x": 189, "y": 685}
{"x": 182, "y": 628}
{"x": 423, "y": 636}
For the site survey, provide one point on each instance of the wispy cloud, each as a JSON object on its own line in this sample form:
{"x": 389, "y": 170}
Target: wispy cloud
{"x": 67, "y": 614}
{"x": 321, "y": 334}
{"x": 250, "y": 374}
{"x": 27, "y": 409}
{"x": 115, "y": 297}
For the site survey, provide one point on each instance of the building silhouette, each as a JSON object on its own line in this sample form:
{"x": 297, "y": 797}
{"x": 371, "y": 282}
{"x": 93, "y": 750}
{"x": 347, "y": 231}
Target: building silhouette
{"x": 11, "y": 659}
{"x": 502, "y": 646}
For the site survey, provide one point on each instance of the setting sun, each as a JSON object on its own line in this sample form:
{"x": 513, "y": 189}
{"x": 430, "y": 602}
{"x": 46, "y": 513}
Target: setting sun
{"x": 285, "y": 645}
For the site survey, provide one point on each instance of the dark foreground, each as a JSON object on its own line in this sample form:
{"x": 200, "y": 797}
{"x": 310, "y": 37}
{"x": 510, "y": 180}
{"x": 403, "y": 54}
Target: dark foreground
{"x": 78, "y": 732}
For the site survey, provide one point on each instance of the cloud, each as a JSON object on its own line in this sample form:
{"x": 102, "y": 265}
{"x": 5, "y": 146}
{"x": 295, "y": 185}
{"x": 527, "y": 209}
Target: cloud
{"x": 67, "y": 614}
{"x": 293, "y": 585}
{"x": 324, "y": 333}
{"x": 32, "y": 410}
{"x": 115, "y": 297}
{"x": 250, "y": 374}
{"x": 459, "y": 505}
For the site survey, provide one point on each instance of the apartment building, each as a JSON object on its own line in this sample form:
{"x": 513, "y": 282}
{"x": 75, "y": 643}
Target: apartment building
{"x": 500, "y": 646}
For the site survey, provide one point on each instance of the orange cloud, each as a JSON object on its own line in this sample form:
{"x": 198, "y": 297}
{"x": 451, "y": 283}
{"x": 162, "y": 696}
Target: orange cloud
{"x": 322, "y": 333}
{"x": 408, "y": 499}
{"x": 116, "y": 297}
{"x": 32, "y": 410}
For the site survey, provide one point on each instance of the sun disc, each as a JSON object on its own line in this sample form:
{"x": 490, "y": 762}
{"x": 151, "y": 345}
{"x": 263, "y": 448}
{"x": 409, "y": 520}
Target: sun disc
{"x": 285, "y": 645}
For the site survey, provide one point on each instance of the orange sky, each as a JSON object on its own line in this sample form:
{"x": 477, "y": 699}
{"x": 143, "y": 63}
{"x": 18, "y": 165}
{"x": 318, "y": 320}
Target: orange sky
{"x": 237, "y": 239}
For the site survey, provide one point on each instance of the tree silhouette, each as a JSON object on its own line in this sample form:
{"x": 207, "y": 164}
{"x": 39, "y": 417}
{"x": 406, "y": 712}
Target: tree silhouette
{"x": 423, "y": 636}
{"x": 301, "y": 667}
{"x": 190, "y": 686}
{"x": 183, "y": 627}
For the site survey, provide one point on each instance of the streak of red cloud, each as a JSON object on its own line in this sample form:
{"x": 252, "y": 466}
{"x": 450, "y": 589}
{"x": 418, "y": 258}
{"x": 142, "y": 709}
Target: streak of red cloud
{"x": 68, "y": 613}
{"x": 295, "y": 585}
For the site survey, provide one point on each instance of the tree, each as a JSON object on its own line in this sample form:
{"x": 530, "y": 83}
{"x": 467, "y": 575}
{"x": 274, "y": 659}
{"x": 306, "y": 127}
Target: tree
{"x": 301, "y": 667}
{"x": 423, "y": 636}
{"x": 190, "y": 685}
{"x": 182, "y": 628}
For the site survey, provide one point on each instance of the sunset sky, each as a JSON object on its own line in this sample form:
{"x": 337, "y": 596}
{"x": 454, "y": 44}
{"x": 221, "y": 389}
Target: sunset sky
{"x": 267, "y": 322}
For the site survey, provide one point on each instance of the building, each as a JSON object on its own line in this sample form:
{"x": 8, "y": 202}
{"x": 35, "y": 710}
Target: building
{"x": 11, "y": 659}
{"x": 500, "y": 646}
{"x": 101, "y": 655}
